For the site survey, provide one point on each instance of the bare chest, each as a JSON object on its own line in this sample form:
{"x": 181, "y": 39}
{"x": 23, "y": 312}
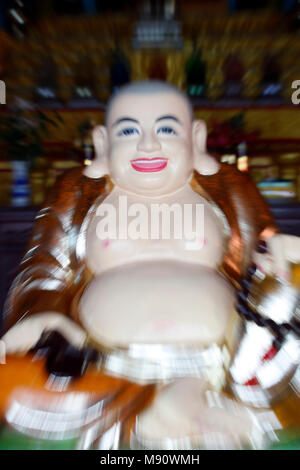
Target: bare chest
{"x": 180, "y": 227}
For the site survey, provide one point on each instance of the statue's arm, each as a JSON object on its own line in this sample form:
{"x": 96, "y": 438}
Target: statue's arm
{"x": 45, "y": 284}
{"x": 264, "y": 222}
{"x": 42, "y": 280}
{"x": 267, "y": 355}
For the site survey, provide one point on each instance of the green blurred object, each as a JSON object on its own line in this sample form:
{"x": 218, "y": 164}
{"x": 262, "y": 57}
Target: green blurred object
{"x": 288, "y": 440}
{"x": 195, "y": 70}
{"x": 22, "y": 129}
{"x": 13, "y": 440}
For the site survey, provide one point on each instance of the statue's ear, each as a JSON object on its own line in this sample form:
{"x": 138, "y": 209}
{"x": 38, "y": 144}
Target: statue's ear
{"x": 99, "y": 166}
{"x": 204, "y": 163}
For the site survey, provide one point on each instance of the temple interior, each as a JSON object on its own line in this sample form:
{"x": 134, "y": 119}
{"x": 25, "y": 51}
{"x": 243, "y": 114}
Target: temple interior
{"x": 60, "y": 61}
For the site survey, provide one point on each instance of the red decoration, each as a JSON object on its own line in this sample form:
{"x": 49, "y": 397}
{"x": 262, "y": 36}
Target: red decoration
{"x": 229, "y": 133}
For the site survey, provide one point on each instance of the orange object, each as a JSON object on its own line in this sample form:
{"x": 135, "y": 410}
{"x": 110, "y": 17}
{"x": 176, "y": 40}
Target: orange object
{"x": 24, "y": 379}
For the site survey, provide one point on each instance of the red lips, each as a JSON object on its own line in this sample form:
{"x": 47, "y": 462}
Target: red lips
{"x": 149, "y": 164}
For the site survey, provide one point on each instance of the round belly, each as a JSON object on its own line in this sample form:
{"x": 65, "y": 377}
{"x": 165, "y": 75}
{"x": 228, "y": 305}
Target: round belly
{"x": 157, "y": 302}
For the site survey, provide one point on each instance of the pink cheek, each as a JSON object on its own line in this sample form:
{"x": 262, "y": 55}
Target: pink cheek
{"x": 204, "y": 241}
{"x": 106, "y": 243}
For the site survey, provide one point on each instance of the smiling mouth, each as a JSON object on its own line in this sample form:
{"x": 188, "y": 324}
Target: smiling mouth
{"x": 149, "y": 164}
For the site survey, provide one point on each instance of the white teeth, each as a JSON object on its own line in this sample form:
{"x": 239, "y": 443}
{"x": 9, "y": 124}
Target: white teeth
{"x": 149, "y": 162}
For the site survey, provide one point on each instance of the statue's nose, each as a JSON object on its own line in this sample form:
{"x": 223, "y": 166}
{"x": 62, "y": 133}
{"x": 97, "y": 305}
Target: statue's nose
{"x": 148, "y": 143}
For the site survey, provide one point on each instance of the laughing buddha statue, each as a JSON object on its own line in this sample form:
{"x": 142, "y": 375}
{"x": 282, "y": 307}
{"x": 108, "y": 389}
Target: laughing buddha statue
{"x": 158, "y": 301}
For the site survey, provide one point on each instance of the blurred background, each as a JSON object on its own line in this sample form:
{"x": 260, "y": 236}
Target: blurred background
{"x": 239, "y": 61}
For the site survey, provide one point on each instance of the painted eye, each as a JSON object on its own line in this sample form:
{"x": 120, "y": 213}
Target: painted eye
{"x": 128, "y": 131}
{"x": 166, "y": 130}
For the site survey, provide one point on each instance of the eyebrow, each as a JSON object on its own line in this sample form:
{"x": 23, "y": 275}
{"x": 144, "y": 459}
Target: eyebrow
{"x": 125, "y": 119}
{"x": 169, "y": 116}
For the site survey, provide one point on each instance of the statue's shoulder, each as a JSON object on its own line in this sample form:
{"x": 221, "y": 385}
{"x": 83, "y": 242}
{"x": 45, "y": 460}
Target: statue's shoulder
{"x": 73, "y": 188}
{"x": 232, "y": 172}
{"x": 228, "y": 176}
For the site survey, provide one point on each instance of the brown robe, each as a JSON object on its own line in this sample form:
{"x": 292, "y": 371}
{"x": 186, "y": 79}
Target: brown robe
{"x": 53, "y": 272}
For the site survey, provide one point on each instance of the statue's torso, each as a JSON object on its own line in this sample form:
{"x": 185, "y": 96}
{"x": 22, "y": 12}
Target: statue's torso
{"x": 157, "y": 290}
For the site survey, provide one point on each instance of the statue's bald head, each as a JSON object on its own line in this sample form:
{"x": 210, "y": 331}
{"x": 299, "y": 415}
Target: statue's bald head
{"x": 148, "y": 87}
{"x": 150, "y": 121}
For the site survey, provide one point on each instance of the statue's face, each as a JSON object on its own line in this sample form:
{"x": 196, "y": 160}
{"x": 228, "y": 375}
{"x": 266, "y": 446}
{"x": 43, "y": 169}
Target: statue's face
{"x": 150, "y": 143}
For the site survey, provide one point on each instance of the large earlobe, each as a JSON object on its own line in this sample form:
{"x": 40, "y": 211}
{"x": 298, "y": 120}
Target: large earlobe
{"x": 204, "y": 163}
{"x": 99, "y": 166}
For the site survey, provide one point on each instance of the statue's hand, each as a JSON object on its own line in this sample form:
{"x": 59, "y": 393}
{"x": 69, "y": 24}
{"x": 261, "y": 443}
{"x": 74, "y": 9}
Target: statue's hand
{"x": 268, "y": 352}
{"x": 280, "y": 250}
{"x": 25, "y": 334}
{"x": 269, "y": 294}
